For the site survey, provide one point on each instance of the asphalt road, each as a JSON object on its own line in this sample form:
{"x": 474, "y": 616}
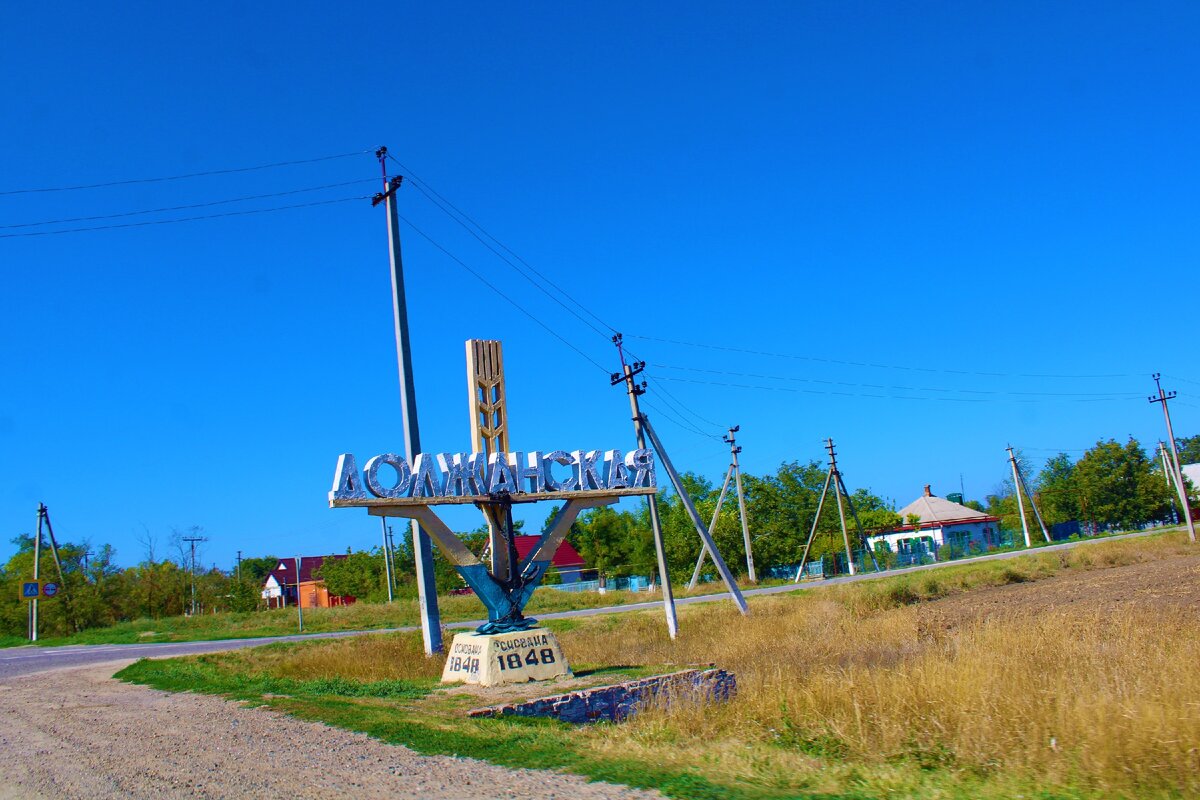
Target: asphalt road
{"x": 26, "y": 660}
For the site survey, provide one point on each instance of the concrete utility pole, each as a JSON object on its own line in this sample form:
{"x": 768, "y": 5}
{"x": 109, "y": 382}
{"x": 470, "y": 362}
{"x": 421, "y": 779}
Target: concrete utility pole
{"x": 239, "y": 566}
{"x": 1169, "y": 476}
{"x": 834, "y": 477}
{"x": 1017, "y": 489}
{"x": 431, "y": 627}
{"x": 193, "y": 540}
{"x": 626, "y": 375}
{"x": 37, "y": 560}
{"x": 1180, "y": 486}
{"x": 387, "y": 561}
{"x": 734, "y": 473}
{"x": 299, "y": 602}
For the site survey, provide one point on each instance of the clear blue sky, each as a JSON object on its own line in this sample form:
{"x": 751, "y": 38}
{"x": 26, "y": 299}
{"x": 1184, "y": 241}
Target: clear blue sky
{"x": 947, "y": 188}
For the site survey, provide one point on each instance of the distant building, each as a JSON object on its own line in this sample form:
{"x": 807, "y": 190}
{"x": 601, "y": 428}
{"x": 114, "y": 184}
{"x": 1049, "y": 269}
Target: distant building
{"x": 941, "y": 522}
{"x": 282, "y": 589}
{"x": 1191, "y": 472}
{"x": 566, "y": 560}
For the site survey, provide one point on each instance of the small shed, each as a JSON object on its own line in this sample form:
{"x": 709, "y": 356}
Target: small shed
{"x": 940, "y": 523}
{"x": 282, "y": 588}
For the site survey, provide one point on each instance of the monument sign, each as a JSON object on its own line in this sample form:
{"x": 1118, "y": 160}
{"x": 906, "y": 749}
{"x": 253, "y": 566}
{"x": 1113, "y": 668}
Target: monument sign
{"x": 507, "y": 648}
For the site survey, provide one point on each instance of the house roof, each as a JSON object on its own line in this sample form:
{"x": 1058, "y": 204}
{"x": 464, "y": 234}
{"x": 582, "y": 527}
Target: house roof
{"x": 566, "y": 556}
{"x": 935, "y": 511}
{"x": 285, "y": 571}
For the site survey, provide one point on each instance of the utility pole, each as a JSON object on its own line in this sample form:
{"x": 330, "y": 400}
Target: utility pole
{"x": 37, "y": 560}
{"x": 834, "y": 477}
{"x": 635, "y": 391}
{"x": 1017, "y": 489}
{"x": 1177, "y": 472}
{"x": 431, "y": 628}
{"x": 387, "y": 561}
{"x": 1169, "y": 475}
{"x": 239, "y": 566}
{"x": 734, "y": 473}
{"x": 734, "y": 448}
{"x": 193, "y": 541}
{"x": 299, "y": 602}
{"x": 1021, "y": 485}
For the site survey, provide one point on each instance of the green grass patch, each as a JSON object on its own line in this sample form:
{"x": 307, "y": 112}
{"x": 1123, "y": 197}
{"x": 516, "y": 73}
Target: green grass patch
{"x": 796, "y": 730}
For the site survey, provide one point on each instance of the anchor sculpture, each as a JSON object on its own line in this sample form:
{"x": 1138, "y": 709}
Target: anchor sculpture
{"x": 494, "y": 480}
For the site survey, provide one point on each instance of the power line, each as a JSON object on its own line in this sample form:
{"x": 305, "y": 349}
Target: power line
{"x": 492, "y": 286}
{"x": 183, "y": 219}
{"x": 678, "y": 420}
{"x": 501, "y": 256}
{"x": 872, "y": 365}
{"x": 1104, "y": 395}
{"x": 880, "y": 396}
{"x": 680, "y": 406}
{"x": 187, "y": 207}
{"x": 229, "y": 171}
{"x": 420, "y": 182}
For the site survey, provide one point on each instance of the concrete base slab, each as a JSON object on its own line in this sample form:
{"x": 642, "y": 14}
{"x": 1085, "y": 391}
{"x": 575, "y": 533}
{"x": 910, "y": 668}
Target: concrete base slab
{"x": 497, "y": 658}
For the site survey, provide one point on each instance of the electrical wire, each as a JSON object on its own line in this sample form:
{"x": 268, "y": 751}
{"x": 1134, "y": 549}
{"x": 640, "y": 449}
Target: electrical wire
{"x": 1099, "y": 395}
{"x": 493, "y": 287}
{"x": 418, "y": 181}
{"x": 501, "y": 256}
{"x": 230, "y": 171}
{"x": 184, "y": 219}
{"x": 879, "y": 396}
{"x": 164, "y": 209}
{"x": 678, "y": 422}
{"x": 678, "y": 404}
{"x": 872, "y": 365}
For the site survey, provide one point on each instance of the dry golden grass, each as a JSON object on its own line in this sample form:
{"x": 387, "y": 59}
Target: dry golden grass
{"x": 865, "y": 689}
{"x": 1103, "y": 700}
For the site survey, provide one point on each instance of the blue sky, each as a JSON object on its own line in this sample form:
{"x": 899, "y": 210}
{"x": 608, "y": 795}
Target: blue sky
{"x": 922, "y": 205}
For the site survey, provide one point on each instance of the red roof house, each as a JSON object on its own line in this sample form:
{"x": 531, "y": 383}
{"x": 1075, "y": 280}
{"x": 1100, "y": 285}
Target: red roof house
{"x": 281, "y": 587}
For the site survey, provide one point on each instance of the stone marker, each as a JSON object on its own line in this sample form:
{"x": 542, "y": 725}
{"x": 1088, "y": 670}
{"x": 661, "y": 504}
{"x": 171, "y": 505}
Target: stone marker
{"x": 496, "y": 658}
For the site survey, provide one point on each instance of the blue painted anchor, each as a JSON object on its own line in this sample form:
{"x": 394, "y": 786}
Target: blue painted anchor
{"x": 504, "y": 597}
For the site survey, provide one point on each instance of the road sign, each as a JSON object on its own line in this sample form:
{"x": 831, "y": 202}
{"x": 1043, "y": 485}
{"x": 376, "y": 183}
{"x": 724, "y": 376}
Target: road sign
{"x": 30, "y": 590}
{"x": 49, "y": 589}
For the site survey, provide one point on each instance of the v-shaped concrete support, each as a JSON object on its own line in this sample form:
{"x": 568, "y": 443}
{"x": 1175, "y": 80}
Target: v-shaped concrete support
{"x": 505, "y": 600}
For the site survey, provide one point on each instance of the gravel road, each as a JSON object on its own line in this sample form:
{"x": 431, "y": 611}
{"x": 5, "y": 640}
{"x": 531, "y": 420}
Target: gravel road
{"x": 77, "y": 733}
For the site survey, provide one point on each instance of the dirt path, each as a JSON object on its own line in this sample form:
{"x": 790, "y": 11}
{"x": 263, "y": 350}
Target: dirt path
{"x": 1168, "y": 586}
{"x": 77, "y": 733}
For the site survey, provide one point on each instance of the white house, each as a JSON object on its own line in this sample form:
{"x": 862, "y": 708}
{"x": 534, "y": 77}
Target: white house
{"x": 941, "y": 522}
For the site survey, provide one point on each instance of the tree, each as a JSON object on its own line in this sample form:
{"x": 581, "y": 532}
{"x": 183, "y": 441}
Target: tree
{"x": 1189, "y": 449}
{"x": 1117, "y": 487}
{"x": 360, "y": 575}
{"x": 1058, "y": 491}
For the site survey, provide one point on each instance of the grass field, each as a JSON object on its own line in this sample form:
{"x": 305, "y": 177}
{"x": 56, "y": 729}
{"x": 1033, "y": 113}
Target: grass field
{"x": 360, "y": 616}
{"x": 279, "y": 622}
{"x": 1068, "y": 674}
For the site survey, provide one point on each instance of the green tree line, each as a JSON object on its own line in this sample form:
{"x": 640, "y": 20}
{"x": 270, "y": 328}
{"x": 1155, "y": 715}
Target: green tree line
{"x": 1111, "y": 486}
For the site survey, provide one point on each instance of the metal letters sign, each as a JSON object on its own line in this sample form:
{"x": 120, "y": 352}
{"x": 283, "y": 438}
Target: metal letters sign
{"x": 447, "y": 478}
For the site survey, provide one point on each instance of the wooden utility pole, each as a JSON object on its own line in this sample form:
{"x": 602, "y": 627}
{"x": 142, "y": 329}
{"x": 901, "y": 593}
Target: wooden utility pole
{"x": 1180, "y": 486}
{"x": 431, "y": 628}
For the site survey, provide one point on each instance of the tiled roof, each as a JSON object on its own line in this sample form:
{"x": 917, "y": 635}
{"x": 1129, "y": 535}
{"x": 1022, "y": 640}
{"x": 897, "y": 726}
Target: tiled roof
{"x": 567, "y": 556}
{"x": 285, "y": 571}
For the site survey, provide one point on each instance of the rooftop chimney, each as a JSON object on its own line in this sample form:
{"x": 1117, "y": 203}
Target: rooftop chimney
{"x": 928, "y": 493}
